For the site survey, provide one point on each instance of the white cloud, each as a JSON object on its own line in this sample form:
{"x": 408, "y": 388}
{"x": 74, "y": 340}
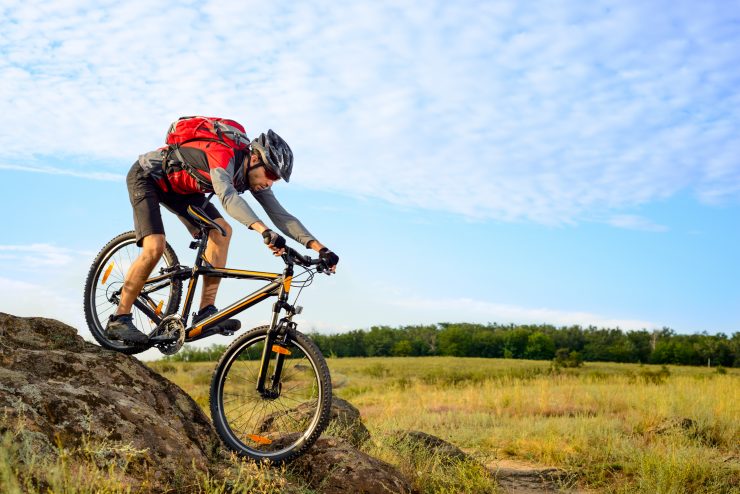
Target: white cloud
{"x": 25, "y": 299}
{"x": 459, "y": 309}
{"x": 38, "y": 256}
{"x": 50, "y": 170}
{"x": 44, "y": 280}
{"x": 633, "y": 222}
{"x": 567, "y": 112}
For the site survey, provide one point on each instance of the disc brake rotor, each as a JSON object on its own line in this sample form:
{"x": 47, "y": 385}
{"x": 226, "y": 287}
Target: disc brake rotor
{"x": 171, "y": 327}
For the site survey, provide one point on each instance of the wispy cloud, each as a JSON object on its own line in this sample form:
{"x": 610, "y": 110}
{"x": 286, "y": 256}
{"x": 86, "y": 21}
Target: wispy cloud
{"x": 38, "y": 255}
{"x": 50, "y": 170}
{"x": 567, "y": 112}
{"x": 468, "y": 309}
{"x": 22, "y": 298}
{"x": 634, "y": 222}
{"x": 52, "y": 260}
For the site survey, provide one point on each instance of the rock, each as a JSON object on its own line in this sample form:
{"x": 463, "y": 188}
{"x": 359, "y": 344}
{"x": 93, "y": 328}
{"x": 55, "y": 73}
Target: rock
{"x": 344, "y": 421}
{"x": 418, "y": 440}
{"x": 673, "y": 424}
{"x": 56, "y": 388}
{"x": 690, "y": 428}
{"x": 334, "y": 466}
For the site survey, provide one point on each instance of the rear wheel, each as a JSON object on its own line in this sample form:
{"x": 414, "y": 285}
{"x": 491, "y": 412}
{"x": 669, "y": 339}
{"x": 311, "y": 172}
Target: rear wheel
{"x": 103, "y": 289}
{"x": 279, "y": 424}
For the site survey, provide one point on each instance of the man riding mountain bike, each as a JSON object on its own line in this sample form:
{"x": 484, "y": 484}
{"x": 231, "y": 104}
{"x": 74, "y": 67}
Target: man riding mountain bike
{"x": 206, "y": 155}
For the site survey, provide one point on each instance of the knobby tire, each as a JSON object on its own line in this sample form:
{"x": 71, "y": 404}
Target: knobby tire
{"x": 279, "y": 420}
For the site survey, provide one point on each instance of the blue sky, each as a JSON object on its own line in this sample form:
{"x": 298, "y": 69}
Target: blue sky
{"x": 564, "y": 162}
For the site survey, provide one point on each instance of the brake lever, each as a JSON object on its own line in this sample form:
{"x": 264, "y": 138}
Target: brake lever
{"x": 323, "y": 268}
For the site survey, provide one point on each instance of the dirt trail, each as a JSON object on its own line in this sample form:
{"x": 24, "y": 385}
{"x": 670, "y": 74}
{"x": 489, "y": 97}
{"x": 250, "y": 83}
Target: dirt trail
{"x": 518, "y": 477}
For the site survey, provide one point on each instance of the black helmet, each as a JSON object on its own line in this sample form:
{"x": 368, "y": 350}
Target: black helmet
{"x": 275, "y": 153}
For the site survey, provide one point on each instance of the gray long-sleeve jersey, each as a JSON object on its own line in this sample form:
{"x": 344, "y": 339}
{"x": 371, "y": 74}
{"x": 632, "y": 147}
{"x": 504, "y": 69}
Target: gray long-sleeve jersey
{"x": 223, "y": 185}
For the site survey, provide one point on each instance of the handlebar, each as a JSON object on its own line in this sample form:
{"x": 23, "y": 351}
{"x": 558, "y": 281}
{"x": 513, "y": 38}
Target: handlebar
{"x": 292, "y": 256}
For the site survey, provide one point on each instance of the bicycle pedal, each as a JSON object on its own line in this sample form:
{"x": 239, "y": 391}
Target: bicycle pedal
{"x": 228, "y": 328}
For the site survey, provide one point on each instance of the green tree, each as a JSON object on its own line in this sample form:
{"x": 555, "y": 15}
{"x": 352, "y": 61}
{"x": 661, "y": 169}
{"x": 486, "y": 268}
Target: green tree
{"x": 488, "y": 343}
{"x": 403, "y": 348}
{"x": 539, "y": 347}
{"x": 379, "y": 341}
{"x": 515, "y": 342}
{"x": 455, "y": 340}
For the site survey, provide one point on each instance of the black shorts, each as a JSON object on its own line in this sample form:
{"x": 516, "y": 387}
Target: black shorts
{"x": 146, "y": 197}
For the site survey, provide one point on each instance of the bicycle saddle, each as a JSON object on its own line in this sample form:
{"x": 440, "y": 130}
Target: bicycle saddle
{"x": 202, "y": 220}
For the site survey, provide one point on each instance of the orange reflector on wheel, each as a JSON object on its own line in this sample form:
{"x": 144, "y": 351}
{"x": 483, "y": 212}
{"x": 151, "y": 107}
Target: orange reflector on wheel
{"x": 279, "y": 349}
{"x": 106, "y": 274}
{"x": 259, "y": 439}
{"x": 158, "y": 310}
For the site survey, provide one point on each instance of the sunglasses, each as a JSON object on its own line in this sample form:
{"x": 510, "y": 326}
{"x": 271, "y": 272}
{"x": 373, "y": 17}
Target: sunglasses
{"x": 268, "y": 173}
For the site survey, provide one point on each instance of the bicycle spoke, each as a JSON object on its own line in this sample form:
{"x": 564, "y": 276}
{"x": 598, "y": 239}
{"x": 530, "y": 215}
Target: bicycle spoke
{"x": 283, "y": 411}
{"x": 248, "y": 421}
{"x": 242, "y": 415}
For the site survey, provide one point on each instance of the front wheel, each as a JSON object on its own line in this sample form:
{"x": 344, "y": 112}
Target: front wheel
{"x": 282, "y": 423}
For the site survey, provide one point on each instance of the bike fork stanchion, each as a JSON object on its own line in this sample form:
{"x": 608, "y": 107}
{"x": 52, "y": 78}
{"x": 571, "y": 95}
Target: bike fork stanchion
{"x": 271, "y": 338}
{"x": 267, "y": 350}
{"x": 279, "y": 359}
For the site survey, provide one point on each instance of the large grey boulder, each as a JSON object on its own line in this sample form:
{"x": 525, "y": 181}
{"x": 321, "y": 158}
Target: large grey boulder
{"x": 57, "y": 389}
{"x": 334, "y": 466}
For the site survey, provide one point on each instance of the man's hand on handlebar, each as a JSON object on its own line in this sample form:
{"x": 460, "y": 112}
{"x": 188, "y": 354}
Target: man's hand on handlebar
{"x": 274, "y": 241}
{"x": 330, "y": 259}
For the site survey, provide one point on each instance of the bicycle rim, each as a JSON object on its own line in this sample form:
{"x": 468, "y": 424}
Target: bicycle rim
{"x": 108, "y": 279}
{"x": 270, "y": 428}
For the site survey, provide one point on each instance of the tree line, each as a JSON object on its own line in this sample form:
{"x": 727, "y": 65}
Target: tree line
{"x": 535, "y": 342}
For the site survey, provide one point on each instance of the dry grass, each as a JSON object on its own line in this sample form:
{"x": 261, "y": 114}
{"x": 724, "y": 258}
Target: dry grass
{"x": 618, "y": 427}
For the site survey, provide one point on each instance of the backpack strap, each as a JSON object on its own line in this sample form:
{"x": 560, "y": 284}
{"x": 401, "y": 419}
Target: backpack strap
{"x": 165, "y": 162}
{"x": 192, "y": 171}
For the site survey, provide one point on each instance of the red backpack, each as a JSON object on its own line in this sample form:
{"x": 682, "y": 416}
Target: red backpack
{"x": 199, "y": 129}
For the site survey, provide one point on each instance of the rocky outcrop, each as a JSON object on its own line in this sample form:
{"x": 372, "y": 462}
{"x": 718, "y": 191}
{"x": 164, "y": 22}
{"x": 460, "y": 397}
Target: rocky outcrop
{"x": 57, "y": 389}
{"x": 417, "y": 440}
{"x": 334, "y": 466}
{"x": 346, "y": 423}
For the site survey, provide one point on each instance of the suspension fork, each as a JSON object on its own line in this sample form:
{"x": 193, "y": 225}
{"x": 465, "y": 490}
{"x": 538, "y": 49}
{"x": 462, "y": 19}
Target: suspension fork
{"x": 273, "y": 334}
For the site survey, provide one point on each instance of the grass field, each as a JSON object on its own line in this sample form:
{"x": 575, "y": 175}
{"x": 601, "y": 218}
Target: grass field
{"x": 616, "y": 427}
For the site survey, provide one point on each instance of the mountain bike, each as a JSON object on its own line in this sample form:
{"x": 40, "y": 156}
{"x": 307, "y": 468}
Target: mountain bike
{"x": 270, "y": 393}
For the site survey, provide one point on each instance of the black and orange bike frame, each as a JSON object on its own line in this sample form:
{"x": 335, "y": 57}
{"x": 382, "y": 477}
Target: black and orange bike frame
{"x": 278, "y": 286}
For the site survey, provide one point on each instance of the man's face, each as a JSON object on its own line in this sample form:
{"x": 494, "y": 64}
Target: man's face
{"x": 259, "y": 177}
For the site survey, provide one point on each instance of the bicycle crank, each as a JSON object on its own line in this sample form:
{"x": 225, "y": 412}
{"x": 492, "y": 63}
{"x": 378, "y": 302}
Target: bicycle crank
{"x": 170, "y": 335}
